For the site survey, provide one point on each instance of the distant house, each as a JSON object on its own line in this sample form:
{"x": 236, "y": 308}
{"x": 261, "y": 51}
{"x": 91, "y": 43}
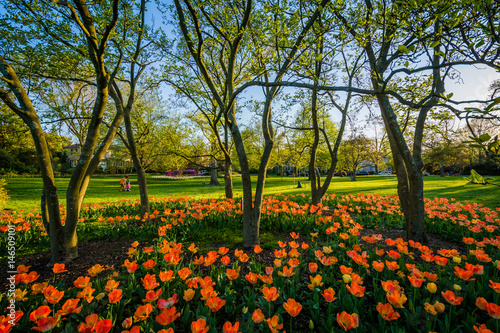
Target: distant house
{"x": 368, "y": 166}
{"x": 74, "y": 151}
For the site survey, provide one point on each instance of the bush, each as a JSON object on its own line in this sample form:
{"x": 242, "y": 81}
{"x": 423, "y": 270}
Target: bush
{"x": 172, "y": 173}
{"x": 3, "y": 194}
{"x": 189, "y": 172}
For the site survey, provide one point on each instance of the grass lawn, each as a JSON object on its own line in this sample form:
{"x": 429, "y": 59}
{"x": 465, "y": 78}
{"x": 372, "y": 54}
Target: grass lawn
{"x": 25, "y": 192}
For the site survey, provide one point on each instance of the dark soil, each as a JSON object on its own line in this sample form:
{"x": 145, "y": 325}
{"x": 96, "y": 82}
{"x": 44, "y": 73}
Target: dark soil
{"x": 103, "y": 252}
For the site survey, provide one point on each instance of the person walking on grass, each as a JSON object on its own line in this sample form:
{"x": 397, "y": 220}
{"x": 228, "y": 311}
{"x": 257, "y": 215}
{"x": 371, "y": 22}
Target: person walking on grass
{"x": 127, "y": 184}
{"x": 122, "y": 184}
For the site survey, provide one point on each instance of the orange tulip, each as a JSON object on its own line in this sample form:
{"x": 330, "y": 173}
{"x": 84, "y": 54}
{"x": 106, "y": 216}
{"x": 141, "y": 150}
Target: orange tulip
{"x": 313, "y": 267}
{"x": 152, "y": 296}
{"x": 166, "y": 276}
{"x": 430, "y": 309}
{"x": 149, "y": 264}
{"x": 184, "y": 273}
{"x": 232, "y": 274}
{"x": 329, "y": 295}
{"x": 293, "y": 262}
{"x": 394, "y": 254}
{"x": 52, "y": 295}
{"x": 71, "y": 306}
{"x": 495, "y": 286}
{"x": 392, "y": 265}
{"x": 142, "y": 312}
{"x": 267, "y": 279}
{"x": 450, "y": 297}
{"x": 223, "y": 250}
{"x": 292, "y": 307}
{"x": 347, "y": 321}
{"x": 252, "y": 277}
{"x": 168, "y": 330}
{"x": 193, "y": 248}
{"x": 188, "y": 294}
{"x": 481, "y": 303}
{"x": 207, "y": 292}
{"x": 345, "y": 270}
{"x": 23, "y": 269}
{"x": 378, "y": 266}
{"x": 440, "y": 260}
{"x": 103, "y": 326}
{"x": 167, "y": 316}
{"x": 111, "y": 285}
{"x": 439, "y": 307}
{"x": 257, "y": 249}
{"x": 389, "y": 285}
{"x": 149, "y": 282}
{"x": 493, "y": 310}
{"x": 115, "y": 296}
{"x": 199, "y": 326}
{"x": 42, "y": 312}
{"x": 86, "y": 293}
{"x": 258, "y": 316}
{"x": 396, "y": 298}
{"x": 387, "y": 312}
{"x": 94, "y": 270}
{"x": 127, "y": 322}
{"x": 287, "y": 271}
{"x": 230, "y": 328}
{"x": 356, "y": 290}
{"x": 215, "y": 303}
{"x": 463, "y": 274}
{"x": 431, "y": 276}
{"x": 59, "y": 268}
{"x": 131, "y": 266}
{"x": 244, "y": 257}
{"x": 45, "y": 324}
{"x": 416, "y": 282}
{"x": 315, "y": 282}
{"x": 89, "y": 324}
{"x": 273, "y": 324}
{"x": 482, "y": 329}
{"x": 270, "y": 294}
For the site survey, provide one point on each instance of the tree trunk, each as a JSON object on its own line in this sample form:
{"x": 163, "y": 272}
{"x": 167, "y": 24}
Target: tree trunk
{"x": 213, "y": 174}
{"x": 141, "y": 174}
{"x": 228, "y": 163}
{"x": 441, "y": 170}
{"x": 409, "y": 176}
{"x": 228, "y": 177}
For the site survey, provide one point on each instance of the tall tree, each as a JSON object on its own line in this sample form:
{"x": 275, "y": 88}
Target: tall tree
{"x": 390, "y": 45}
{"x": 232, "y": 24}
{"x": 35, "y": 37}
{"x": 138, "y": 57}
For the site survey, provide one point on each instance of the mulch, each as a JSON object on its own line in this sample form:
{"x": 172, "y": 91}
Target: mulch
{"x": 103, "y": 252}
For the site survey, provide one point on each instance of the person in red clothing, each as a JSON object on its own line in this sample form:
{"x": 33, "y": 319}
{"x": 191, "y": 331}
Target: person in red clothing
{"x": 122, "y": 184}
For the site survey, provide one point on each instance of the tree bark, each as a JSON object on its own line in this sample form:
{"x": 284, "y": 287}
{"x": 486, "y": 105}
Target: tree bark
{"x": 228, "y": 163}
{"x": 228, "y": 177}
{"x": 213, "y": 174}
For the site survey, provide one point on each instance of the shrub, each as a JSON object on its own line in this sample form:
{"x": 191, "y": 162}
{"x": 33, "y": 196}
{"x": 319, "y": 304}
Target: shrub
{"x": 189, "y": 172}
{"x": 3, "y": 194}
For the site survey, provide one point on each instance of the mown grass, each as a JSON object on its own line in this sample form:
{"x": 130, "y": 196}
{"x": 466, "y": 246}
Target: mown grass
{"x": 25, "y": 192}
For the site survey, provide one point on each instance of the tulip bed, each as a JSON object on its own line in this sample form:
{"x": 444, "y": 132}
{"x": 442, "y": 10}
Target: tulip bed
{"x": 334, "y": 271}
